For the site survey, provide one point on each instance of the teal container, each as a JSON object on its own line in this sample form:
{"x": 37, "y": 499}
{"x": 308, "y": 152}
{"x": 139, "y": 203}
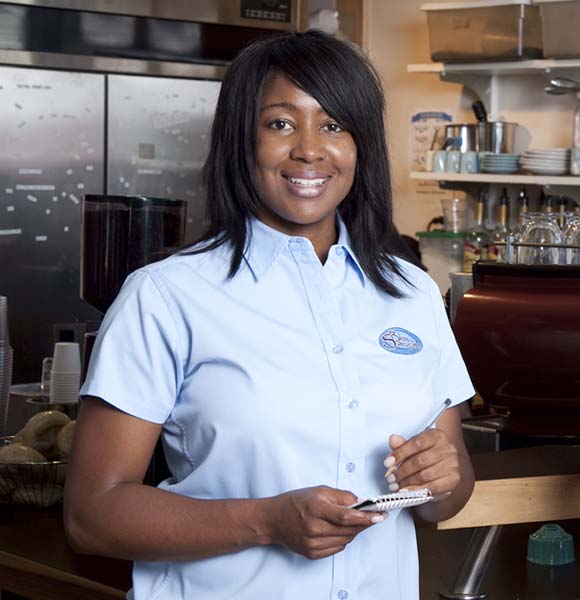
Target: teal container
{"x": 550, "y": 546}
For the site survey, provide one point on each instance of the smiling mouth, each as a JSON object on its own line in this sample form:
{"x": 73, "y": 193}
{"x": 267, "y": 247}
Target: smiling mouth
{"x": 307, "y": 182}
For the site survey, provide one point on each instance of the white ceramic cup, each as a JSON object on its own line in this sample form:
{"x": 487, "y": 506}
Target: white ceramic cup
{"x": 430, "y": 160}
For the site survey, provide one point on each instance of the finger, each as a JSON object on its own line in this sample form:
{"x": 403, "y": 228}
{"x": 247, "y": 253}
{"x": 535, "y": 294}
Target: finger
{"x": 329, "y": 530}
{"x": 324, "y": 543}
{"x": 415, "y": 445}
{"x": 318, "y": 554}
{"x": 396, "y": 440}
{"x": 427, "y": 465}
{"x": 338, "y": 497}
{"x": 348, "y": 517}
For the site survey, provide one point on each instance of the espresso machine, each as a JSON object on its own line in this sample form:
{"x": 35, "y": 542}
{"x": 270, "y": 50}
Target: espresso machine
{"x": 518, "y": 328}
{"x": 519, "y": 333}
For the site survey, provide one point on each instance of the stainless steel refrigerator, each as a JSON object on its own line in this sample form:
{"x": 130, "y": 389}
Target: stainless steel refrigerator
{"x": 64, "y": 134}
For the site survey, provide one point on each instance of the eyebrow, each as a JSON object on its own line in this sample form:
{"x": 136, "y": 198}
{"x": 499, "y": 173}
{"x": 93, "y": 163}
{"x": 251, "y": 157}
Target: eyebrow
{"x": 287, "y": 105}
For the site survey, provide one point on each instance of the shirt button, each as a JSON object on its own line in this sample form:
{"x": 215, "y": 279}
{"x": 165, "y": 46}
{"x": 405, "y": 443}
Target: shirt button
{"x": 337, "y": 349}
{"x": 339, "y": 252}
{"x": 350, "y": 467}
{"x": 353, "y": 404}
{"x": 343, "y": 594}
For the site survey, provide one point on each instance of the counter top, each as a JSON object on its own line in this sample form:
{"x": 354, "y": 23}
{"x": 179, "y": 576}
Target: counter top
{"x": 37, "y": 562}
{"x": 514, "y": 486}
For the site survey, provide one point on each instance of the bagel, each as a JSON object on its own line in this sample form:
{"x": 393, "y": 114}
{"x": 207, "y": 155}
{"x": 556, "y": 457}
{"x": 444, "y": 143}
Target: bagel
{"x": 41, "y": 430}
{"x": 64, "y": 439}
{"x": 18, "y": 453}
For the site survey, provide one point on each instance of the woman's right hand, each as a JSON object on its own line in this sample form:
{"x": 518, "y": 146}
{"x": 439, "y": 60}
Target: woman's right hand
{"x": 316, "y": 522}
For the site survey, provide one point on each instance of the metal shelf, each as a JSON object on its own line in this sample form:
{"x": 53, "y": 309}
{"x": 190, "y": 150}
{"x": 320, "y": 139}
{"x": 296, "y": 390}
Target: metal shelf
{"x": 483, "y": 77}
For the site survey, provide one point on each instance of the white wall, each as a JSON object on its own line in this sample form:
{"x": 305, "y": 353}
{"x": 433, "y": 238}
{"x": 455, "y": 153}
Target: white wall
{"x": 396, "y": 35}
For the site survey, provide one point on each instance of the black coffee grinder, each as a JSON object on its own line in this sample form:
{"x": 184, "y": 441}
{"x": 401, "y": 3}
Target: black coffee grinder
{"x": 119, "y": 235}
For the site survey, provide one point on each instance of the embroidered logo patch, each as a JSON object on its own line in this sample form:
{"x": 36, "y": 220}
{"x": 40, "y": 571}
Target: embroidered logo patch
{"x": 400, "y": 341}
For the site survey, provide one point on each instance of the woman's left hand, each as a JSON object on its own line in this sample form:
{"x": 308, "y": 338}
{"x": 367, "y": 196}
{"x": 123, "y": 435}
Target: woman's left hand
{"x": 427, "y": 460}
{"x": 436, "y": 459}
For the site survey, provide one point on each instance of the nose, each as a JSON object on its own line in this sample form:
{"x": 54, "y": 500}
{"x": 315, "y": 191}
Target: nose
{"x": 308, "y": 146}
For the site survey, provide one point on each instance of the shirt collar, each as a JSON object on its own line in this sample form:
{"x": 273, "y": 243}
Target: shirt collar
{"x": 265, "y": 244}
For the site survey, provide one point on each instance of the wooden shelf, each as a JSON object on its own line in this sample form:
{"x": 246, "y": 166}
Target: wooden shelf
{"x": 518, "y": 67}
{"x": 562, "y": 180}
{"x": 526, "y": 485}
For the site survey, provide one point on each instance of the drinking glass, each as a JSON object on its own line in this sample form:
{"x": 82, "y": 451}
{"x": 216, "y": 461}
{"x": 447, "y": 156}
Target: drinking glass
{"x": 541, "y": 228}
{"x": 572, "y": 236}
{"x": 454, "y": 214}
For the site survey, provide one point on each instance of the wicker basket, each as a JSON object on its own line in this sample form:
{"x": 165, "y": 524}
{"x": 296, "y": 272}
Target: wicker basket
{"x": 31, "y": 483}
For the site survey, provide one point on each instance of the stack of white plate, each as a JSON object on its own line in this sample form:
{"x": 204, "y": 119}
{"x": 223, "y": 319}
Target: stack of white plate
{"x": 499, "y": 163}
{"x": 546, "y": 161}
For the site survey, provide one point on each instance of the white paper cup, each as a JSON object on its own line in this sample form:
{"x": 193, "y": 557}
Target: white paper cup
{"x": 67, "y": 358}
{"x": 64, "y": 387}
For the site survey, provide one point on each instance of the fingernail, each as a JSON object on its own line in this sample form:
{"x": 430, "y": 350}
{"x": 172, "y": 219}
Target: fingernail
{"x": 391, "y": 478}
{"x": 393, "y": 487}
{"x": 378, "y": 518}
{"x": 389, "y": 461}
{"x": 404, "y": 490}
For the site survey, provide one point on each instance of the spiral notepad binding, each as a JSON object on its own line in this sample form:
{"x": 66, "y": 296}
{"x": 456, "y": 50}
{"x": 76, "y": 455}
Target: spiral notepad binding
{"x": 395, "y": 500}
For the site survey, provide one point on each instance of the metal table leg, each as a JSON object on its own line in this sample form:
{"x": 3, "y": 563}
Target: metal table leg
{"x": 474, "y": 566}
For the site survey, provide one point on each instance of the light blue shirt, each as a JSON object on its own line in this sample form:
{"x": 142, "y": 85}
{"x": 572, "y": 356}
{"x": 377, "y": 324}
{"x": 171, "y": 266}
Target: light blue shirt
{"x": 291, "y": 374}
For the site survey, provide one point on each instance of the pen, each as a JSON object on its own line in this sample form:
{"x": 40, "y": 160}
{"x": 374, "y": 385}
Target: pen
{"x": 432, "y": 422}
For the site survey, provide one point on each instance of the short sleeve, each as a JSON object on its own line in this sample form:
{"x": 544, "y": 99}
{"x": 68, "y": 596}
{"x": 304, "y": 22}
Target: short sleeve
{"x": 452, "y": 379}
{"x": 135, "y": 363}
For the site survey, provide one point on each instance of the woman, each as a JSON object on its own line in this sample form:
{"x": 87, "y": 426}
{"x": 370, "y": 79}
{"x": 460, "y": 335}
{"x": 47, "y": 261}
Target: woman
{"x": 276, "y": 359}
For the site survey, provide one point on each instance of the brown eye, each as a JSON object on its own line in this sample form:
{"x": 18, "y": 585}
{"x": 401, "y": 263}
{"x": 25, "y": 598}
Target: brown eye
{"x": 279, "y": 124}
{"x": 333, "y": 127}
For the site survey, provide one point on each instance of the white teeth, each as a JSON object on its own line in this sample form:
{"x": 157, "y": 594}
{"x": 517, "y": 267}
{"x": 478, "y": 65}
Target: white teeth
{"x": 307, "y": 182}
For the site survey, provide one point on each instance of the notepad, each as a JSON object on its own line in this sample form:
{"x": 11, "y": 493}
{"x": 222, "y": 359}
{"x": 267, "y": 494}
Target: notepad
{"x": 394, "y": 501}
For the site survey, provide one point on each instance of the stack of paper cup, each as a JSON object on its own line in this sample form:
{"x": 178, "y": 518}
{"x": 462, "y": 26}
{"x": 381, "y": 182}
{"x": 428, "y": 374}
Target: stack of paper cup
{"x": 5, "y": 365}
{"x": 65, "y": 377}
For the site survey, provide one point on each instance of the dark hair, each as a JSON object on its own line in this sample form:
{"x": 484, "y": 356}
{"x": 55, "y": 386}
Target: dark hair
{"x": 348, "y": 88}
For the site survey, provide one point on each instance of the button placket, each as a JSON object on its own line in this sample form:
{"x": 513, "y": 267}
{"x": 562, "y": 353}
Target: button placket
{"x": 322, "y": 288}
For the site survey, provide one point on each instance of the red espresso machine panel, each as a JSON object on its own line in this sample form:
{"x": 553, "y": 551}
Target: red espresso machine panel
{"x": 519, "y": 332}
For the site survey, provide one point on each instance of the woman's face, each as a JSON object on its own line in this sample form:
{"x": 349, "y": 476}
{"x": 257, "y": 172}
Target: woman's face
{"x": 305, "y": 162}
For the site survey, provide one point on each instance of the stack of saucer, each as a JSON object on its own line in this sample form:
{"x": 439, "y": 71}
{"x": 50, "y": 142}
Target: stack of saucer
{"x": 65, "y": 377}
{"x": 546, "y": 161}
{"x": 499, "y": 163}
